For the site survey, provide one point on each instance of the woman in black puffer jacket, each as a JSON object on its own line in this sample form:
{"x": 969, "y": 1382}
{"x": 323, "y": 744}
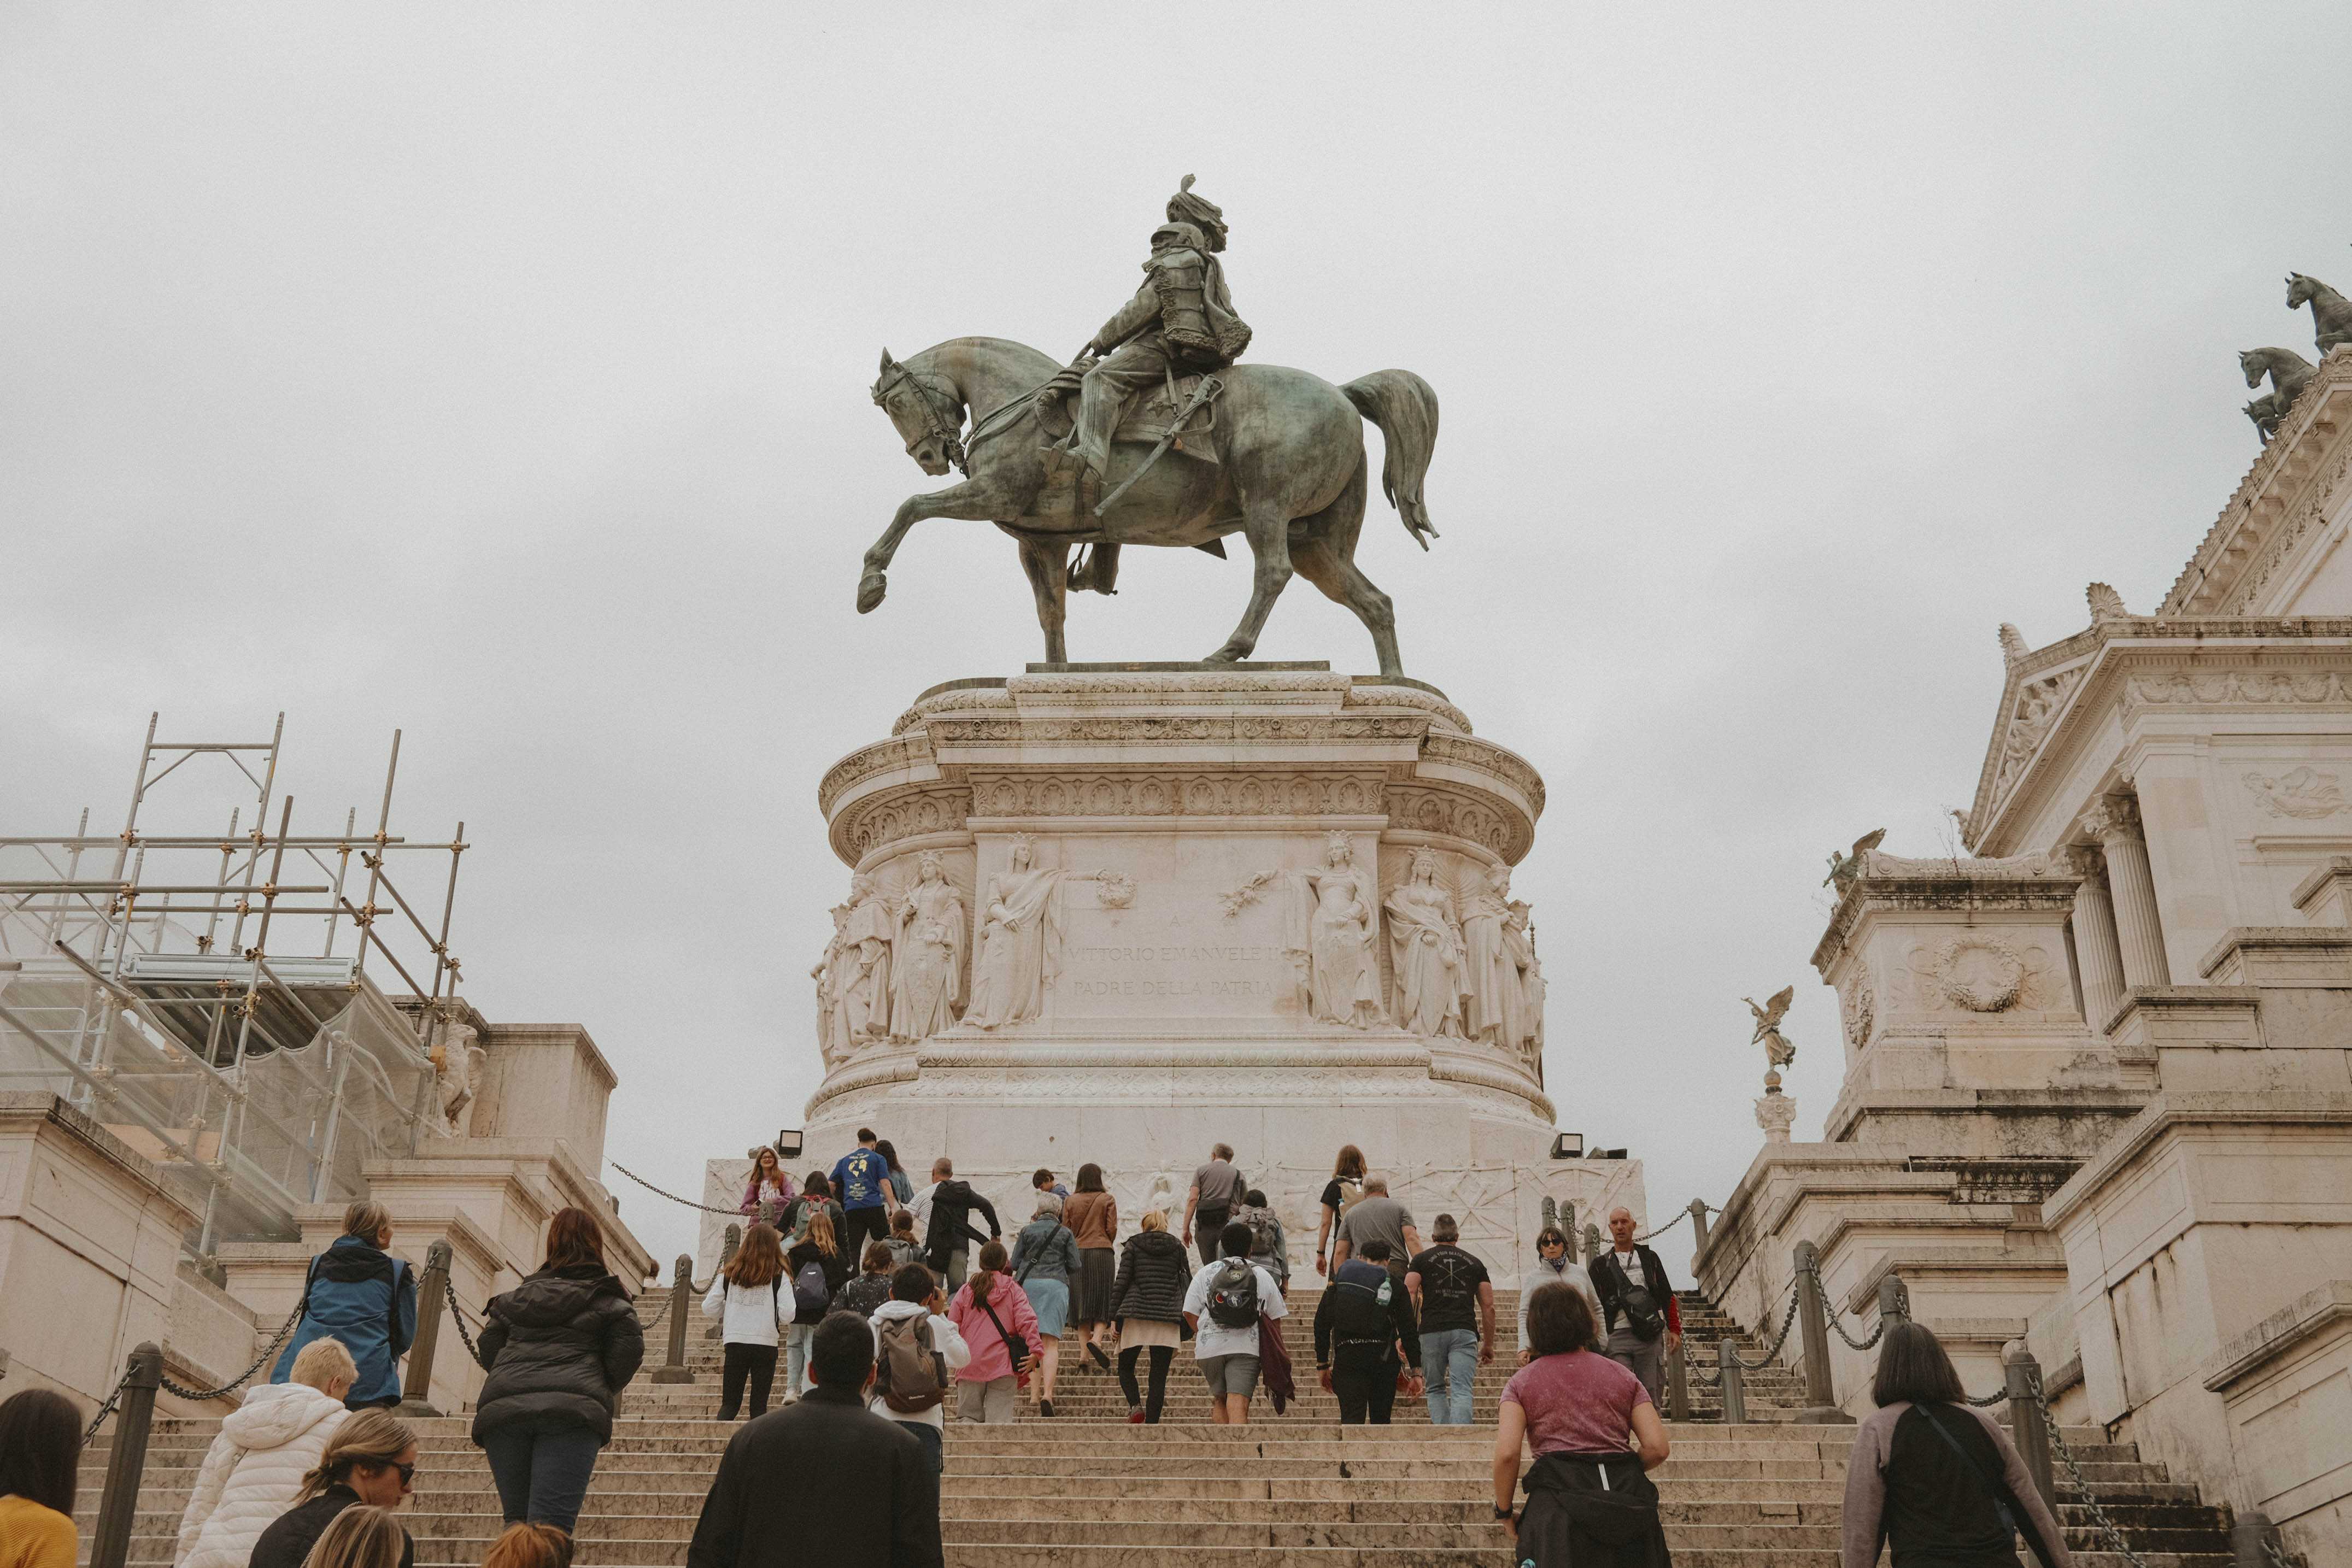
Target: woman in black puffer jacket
{"x": 1147, "y": 1301}
{"x": 559, "y": 1347}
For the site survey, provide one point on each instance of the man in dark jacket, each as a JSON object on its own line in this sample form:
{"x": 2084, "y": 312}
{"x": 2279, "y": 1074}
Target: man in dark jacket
{"x": 949, "y": 1204}
{"x": 881, "y": 1497}
{"x": 1626, "y": 1267}
{"x": 1364, "y": 1337}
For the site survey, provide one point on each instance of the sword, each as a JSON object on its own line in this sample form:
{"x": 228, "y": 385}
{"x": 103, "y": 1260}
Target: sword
{"x": 1210, "y": 386}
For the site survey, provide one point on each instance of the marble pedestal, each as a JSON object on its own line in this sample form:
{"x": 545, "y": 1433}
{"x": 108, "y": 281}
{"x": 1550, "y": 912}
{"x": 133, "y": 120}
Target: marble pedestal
{"x": 1165, "y": 826}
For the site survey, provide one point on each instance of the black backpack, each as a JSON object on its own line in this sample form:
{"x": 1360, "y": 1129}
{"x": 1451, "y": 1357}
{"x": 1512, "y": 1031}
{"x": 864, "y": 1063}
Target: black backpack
{"x": 1233, "y": 1294}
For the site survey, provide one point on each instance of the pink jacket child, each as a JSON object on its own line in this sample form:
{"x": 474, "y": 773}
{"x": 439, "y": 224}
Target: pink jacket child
{"x": 990, "y": 1358}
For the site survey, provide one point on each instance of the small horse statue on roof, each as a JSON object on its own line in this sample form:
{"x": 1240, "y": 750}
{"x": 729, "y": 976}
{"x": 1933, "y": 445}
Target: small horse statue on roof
{"x": 2288, "y": 371}
{"x": 2331, "y": 313}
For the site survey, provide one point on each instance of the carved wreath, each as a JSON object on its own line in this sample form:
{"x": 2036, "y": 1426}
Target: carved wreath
{"x": 1115, "y": 892}
{"x": 1981, "y": 973}
{"x": 1861, "y": 1008}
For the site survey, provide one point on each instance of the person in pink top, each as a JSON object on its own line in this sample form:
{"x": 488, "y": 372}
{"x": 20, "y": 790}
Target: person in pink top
{"x": 987, "y": 1308}
{"x": 1595, "y": 1435}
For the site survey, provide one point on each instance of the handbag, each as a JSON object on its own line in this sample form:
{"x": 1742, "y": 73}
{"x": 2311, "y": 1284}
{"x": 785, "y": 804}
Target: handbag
{"x": 1015, "y": 1345}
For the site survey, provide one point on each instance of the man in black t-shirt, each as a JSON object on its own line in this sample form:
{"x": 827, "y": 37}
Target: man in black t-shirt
{"x": 1454, "y": 1301}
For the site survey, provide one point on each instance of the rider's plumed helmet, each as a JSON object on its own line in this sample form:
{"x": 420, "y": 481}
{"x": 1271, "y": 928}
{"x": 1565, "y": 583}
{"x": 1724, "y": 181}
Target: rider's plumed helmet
{"x": 1204, "y": 215}
{"x": 1184, "y": 235}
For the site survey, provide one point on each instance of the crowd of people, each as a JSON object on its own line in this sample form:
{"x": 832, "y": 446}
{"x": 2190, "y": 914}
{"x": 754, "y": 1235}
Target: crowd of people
{"x": 886, "y": 1310}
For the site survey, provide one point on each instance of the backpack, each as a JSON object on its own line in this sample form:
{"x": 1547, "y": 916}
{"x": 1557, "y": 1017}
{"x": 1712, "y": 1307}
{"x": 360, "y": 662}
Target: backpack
{"x": 810, "y": 1292}
{"x": 909, "y": 1374}
{"x": 1643, "y": 1313}
{"x": 862, "y": 1296}
{"x": 1351, "y": 1193}
{"x": 1233, "y": 1294}
{"x": 1261, "y": 1223}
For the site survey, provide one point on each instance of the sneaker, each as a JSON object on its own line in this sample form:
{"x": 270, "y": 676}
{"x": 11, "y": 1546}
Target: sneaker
{"x": 1135, "y": 1415}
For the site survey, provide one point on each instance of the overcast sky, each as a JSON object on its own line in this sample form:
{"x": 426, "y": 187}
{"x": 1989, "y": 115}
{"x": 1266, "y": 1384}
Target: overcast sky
{"x": 499, "y": 373}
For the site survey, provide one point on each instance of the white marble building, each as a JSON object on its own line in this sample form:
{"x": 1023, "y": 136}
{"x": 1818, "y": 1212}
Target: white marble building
{"x": 2098, "y": 1090}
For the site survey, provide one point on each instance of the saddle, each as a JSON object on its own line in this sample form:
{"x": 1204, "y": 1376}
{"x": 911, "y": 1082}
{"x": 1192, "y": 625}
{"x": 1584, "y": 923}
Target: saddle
{"x": 1145, "y": 419}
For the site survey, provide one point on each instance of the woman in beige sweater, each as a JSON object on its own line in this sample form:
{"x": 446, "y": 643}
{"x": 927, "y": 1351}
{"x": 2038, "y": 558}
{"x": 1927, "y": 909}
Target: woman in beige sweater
{"x": 1092, "y": 1215}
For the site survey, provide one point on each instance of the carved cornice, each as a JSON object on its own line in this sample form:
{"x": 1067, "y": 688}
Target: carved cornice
{"x": 866, "y": 762}
{"x": 2244, "y": 663}
{"x": 1490, "y": 759}
{"x": 2290, "y": 486}
{"x": 1162, "y": 792}
{"x": 1444, "y": 712}
{"x": 1891, "y": 883}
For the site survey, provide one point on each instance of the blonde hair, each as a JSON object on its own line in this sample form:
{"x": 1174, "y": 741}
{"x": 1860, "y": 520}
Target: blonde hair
{"x": 324, "y": 1363}
{"x": 359, "y": 1537}
{"x": 1154, "y": 1219}
{"x": 820, "y": 1231}
{"x": 759, "y": 1260}
{"x": 529, "y": 1546}
{"x": 366, "y": 1221}
{"x": 373, "y": 1438}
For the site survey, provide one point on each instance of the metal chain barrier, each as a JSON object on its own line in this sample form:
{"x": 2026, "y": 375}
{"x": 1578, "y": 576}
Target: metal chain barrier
{"x": 653, "y": 1322}
{"x": 112, "y": 1399}
{"x": 2075, "y": 1473}
{"x": 2280, "y": 1559}
{"x": 1831, "y": 1313}
{"x": 731, "y": 1213}
{"x": 1995, "y": 1397}
{"x": 457, "y": 1316}
{"x": 1787, "y": 1318}
{"x": 1681, "y": 1214}
{"x": 200, "y": 1394}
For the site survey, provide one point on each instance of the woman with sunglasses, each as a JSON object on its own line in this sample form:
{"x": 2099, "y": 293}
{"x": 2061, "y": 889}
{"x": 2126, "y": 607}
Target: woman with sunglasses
{"x": 371, "y": 1460}
{"x": 1553, "y": 1267}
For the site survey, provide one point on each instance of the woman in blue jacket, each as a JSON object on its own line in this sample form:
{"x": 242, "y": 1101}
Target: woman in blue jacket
{"x": 358, "y": 1293}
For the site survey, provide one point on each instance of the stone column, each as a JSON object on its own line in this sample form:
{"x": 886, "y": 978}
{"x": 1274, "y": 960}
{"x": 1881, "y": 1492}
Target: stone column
{"x": 2115, "y": 823}
{"x": 2101, "y": 961}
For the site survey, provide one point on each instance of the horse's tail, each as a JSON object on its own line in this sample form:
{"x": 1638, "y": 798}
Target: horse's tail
{"x": 1405, "y": 409}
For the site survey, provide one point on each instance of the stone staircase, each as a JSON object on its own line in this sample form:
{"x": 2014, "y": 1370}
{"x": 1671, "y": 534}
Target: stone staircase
{"x": 1294, "y": 1492}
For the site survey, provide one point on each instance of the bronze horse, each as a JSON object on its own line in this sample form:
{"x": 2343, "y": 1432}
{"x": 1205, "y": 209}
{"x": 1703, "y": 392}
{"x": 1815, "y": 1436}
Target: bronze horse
{"x": 1289, "y": 474}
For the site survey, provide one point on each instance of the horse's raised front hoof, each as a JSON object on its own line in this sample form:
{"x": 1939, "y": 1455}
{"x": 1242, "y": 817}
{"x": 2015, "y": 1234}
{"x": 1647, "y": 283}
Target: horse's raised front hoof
{"x": 870, "y": 589}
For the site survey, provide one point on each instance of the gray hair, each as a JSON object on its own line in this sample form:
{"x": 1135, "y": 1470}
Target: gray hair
{"x": 1377, "y": 1181}
{"x": 1049, "y": 1207}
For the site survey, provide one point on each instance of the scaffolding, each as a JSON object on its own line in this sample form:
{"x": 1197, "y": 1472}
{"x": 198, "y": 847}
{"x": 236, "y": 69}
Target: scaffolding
{"x": 208, "y": 1001}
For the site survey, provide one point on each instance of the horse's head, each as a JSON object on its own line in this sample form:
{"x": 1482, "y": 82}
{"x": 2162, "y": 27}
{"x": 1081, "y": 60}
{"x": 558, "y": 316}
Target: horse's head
{"x": 928, "y": 416}
{"x": 2256, "y": 363}
{"x": 2301, "y": 291}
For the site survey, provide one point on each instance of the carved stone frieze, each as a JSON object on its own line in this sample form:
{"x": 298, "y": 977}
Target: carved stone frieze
{"x": 1204, "y": 792}
{"x": 1459, "y": 815}
{"x": 1148, "y": 728}
{"x": 2304, "y": 792}
{"x": 2264, "y": 688}
{"x": 961, "y": 699}
{"x": 1184, "y": 683}
{"x": 2030, "y": 717}
{"x": 870, "y": 825}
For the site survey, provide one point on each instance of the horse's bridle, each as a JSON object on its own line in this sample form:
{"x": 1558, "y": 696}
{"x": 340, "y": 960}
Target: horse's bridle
{"x": 940, "y": 408}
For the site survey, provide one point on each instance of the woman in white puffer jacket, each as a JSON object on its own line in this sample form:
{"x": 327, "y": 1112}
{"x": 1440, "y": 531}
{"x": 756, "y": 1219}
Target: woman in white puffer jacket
{"x": 254, "y": 1470}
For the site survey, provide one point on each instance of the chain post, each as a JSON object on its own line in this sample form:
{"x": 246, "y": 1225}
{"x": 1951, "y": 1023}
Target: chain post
{"x": 416, "y": 1398}
{"x": 1735, "y": 1387}
{"x": 1678, "y": 1382}
{"x": 1894, "y": 1301}
{"x": 1698, "y": 1226}
{"x": 675, "y": 1370}
{"x": 2250, "y": 1534}
{"x": 1813, "y": 1311}
{"x": 127, "y": 1463}
{"x": 2028, "y": 1428}
{"x": 732, "y": 1245}
{"x": 1591, "y": 1243}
